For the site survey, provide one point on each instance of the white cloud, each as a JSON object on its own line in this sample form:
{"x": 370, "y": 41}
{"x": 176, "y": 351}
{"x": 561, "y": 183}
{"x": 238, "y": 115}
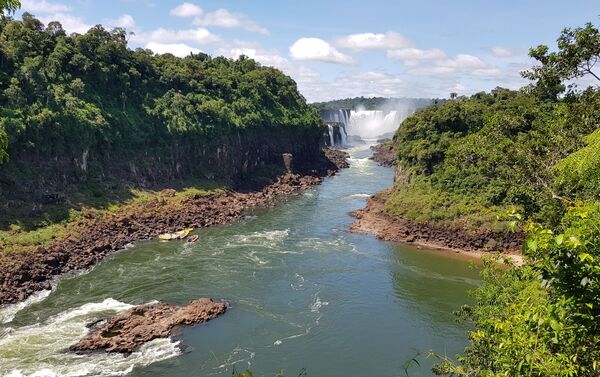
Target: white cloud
{"x": 487, "y": 72}
{"x": 459, "y": 88}
{"x": 126, "y": 21}
{"x": 162, "y": 36}
{"x": 435, "y": 62}
{"x": 187, "y": 10}
{"x": 503, "y": 52}
{"x": 177, "y": 49}
{"x": 463, "y": 61}
{"x": 364, "y": 41}
{"x": 316, "y": 49}
{"x": 70, "y": 23}
{"x": 413, "y": 56}
{"x": 266, "y": 57}
{"x": 43, "y": 6}
{"x": 226, "y": 19}
{"x": 432, "y": 71}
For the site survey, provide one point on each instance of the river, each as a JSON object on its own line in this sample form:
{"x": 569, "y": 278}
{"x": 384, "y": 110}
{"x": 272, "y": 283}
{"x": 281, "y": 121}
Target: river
{"x": 304, "y": 293}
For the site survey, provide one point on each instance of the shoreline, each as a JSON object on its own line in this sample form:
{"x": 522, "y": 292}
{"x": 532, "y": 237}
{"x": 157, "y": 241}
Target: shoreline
{"x": 373, "y": 220}
{"x": 94, "y": 237}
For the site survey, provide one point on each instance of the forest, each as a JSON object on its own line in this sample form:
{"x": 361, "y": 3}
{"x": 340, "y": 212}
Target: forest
{"x": 70, "y": 94}
{"x": 520, "y": 160}
{"x": 375, "y": 103}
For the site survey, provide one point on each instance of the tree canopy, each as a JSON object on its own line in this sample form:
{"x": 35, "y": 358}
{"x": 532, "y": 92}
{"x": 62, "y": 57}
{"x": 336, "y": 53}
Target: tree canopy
{"x": 64, "y": 93}
{"x": 532, "y": 156}
{"x": 9, "y": 6}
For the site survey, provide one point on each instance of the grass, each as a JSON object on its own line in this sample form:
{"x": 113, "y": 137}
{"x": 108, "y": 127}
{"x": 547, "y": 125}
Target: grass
{"x": 421, "y": 202}
{"x": 51, "y": 223}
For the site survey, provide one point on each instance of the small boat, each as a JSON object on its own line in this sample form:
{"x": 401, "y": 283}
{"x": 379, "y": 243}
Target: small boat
{"x": 183, "y": 233}
{"x": 175, "y": 236}
{"x": 193, "y": 238}
{"x": 168, "y": 236}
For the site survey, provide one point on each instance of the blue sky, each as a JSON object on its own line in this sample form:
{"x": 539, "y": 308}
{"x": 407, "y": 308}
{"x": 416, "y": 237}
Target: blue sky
{"x": 336, "y": 49}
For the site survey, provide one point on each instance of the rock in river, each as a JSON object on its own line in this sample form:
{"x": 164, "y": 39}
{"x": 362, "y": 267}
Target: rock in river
{"x": 127, "y": 331}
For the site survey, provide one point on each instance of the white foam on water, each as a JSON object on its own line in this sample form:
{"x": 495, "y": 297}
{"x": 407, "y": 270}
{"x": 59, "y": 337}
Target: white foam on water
{"x": 265, "y": 239}
{"x": 317, "y": 304}
{"x": 41, "y": 349}
{"x": 238, "y": 355}
{"x": 315, "y": 308}
{"x": 298, "y": 283}
{"x": 8, "y": 312}
{"x": 362, "y": 166}
{"x": 354, "y": 196}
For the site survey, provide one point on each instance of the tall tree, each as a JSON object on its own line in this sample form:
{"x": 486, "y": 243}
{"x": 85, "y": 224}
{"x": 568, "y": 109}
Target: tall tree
{"x": 9, "y": 6}
{"x": 577, "y": 56}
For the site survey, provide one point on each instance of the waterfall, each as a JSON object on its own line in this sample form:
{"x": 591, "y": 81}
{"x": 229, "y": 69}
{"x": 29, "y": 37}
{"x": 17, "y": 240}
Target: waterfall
{"x": 375, "y": 124}
{"x": 331, "y": 136}
{"x": 339, "y": 119}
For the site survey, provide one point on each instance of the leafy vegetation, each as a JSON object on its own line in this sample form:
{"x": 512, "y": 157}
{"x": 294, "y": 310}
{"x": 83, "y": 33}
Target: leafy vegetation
{"x": 534, "y": 154}
{"x": 495, "y": 151}
{"x": 30, "y": 232}
{"x": 541, "y": 319}
{"x": 86, "y": 121}
{"x": 374, "y": 103}
{"x": 89, "y": 94}
{"x": 9, "y": 6}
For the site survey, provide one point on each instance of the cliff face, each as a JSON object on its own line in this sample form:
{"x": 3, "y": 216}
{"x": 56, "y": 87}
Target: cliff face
{"x": 229, "y": 158}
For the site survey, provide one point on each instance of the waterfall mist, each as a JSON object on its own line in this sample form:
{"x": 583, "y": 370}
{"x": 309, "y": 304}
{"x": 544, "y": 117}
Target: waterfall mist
{"x": 360, "y": 124}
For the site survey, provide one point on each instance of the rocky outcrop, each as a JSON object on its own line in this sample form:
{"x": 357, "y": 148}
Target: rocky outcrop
{"x": 127, "y": 331}
{"x": 373, "y": 219}
{"x": 384, "y": 154}
{"x": 94, "y": 236}
{"x": 29, "y": 178}
{"x": 338, "y": 157}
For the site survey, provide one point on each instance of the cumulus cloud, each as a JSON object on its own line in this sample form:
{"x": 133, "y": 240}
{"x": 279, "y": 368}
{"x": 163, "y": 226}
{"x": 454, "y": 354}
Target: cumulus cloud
{"x": 413, "y": 56}
{"x": 435, "y": 62}
{"x": 177, "y": 49}
{"x": 187, "y": 10}
{"x": 364, "y": 41}
{"x": 72, "y": 24}
{"x": 264, "y": 56}
{"x": 268, "y": 57}
{"x": 218, "y": 18}
{"x": 126, "y": 21}
{"x": 198, "y": 35}
{"x": 316, "y": 49}
{"x": 226, "y": 19}
{"x": 43, "y": 6}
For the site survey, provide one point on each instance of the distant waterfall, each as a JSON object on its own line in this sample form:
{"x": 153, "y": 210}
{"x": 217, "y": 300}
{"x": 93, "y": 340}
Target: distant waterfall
{"x": 376, "y": 124}
{"x": 331, "y": 136}
{"x": 338, "y": 122}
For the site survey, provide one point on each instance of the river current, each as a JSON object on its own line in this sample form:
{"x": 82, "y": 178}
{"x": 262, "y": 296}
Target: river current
{"x": 305, "y": 295}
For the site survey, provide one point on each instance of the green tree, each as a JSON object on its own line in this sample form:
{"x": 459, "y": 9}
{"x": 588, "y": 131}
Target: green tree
{"x": 9, "y": 6}
{"x": 577, "y": 56}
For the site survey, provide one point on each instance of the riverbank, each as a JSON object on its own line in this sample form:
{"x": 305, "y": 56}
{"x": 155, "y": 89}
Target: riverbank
{"x": 385, "y": 154}
{"x": 94, "y": 236}
{"x": 374, "y": 220}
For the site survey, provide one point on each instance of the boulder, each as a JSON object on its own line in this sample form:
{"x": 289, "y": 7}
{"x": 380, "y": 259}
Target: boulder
{"x": 127, "y": 331}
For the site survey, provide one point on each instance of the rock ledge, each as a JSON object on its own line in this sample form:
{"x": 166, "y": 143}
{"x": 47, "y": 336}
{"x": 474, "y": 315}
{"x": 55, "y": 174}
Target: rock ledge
{"x": 127, "y": 331}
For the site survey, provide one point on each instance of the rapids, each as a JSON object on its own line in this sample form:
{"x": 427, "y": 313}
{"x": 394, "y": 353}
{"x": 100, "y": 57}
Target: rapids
{"x": 304, "y": 293}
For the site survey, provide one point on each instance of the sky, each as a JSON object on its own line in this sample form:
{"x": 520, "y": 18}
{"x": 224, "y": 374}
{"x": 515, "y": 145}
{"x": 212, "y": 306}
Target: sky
{"x": 338, "y": 49}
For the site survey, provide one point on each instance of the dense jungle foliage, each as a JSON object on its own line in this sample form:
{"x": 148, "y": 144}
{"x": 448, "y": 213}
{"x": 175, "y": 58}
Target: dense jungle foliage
{"x": 375, "y": 103}
{"x": 532, "y": 158}
{"x": 61, "y": 92}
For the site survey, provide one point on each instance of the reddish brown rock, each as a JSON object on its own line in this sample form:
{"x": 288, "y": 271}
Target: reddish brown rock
{"x": 373, "y": 219}
{"x": 96, "y": 236}
{"x": 384, "y": 154}
{"x": 127, "y": 331}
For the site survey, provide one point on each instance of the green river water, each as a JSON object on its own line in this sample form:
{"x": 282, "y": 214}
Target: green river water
{"x": 304, "y": 293}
